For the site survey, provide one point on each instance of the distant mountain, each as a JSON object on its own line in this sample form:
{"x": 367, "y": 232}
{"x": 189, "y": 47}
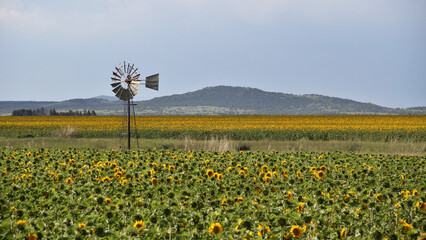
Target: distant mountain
{"x": 221, "y": 100}
{"x": 109, "y": 98}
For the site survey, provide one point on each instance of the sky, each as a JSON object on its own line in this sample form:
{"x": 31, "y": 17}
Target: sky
{"x": 368, "y": 51}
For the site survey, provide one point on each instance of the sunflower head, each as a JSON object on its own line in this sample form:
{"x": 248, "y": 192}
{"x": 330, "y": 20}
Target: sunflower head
{"x": 379, "y": 197}
{"x": 289, "y": 195}
{"x": 346, "y": 198}
{"x": 321, "y": 174}
{"x": 32, "y": 236}
{"x": 210, "y": 173}
{"x": 343, "y": 233}
{"x": 215, "y": 228}
{"x": 296, "y": 231}
{"x": 154, "y": 181}
{"x": 138, "y": 224}
{"x": 68, "y": 181}
{"x": 21, "y": 222}
{"x": 422, "y": 206}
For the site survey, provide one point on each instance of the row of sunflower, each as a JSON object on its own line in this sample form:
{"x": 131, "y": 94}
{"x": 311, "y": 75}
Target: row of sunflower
{"x": 51, "y": 193}
{"x": 236, "y": 127}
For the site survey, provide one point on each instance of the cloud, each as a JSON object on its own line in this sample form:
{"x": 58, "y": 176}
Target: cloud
{"x": 90, "y": 18}
{"x": 25, "y": 21}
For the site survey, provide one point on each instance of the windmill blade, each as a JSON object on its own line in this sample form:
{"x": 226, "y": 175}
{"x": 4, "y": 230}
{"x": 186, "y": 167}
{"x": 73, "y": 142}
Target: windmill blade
{"x": 132, "y": 90}
{"x": 115, "y": 79}
{"x": 117, "y": 88}
{"x": 131, "y": 68}
{"x": 135, "y": 71}
{"x": 123, "y": 95}
{"x": 115, "y": 74}
{"x": 136, "y": 77}
{"x": 152, "y": 81}
{"x": 124, "y": 66}
{"x": 119, "y": 93}
{"x": 114, "y": 85}
{"x": 118, "y": 70}
{"x": 126, "y": 95}
{"x": 137, "y": 82}
{"x": 134, "y": 87}
{"x": 129, "y": 94}
{"x": 121, "y": 67}
{"x": 128, "y": 68}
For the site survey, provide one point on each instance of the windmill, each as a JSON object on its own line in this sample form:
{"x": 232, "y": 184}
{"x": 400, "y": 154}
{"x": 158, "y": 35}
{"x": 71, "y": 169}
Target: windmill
{"x": 126, "y": 84}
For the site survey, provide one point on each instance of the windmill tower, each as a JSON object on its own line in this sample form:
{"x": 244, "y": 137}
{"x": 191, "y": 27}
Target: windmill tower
{"x": 125, "y": 86}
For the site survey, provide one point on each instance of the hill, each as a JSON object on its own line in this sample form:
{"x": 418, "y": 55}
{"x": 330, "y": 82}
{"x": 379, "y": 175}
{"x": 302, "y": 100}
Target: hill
{"x": 222, "y": 100}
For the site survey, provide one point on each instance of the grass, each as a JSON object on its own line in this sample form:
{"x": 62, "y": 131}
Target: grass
{"x": 223, "y": 144}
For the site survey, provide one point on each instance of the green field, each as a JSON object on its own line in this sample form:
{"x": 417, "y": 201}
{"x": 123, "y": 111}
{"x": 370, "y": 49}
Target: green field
{"x": 223, "y": 144}
{"x": 182, "y": 194}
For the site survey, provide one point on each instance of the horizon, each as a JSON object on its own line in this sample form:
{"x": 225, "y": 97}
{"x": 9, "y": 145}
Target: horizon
{"x": 366, "y": 51}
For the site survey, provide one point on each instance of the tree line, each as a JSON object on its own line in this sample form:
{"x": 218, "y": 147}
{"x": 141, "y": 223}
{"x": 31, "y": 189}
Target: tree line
{"x": 51, "y": 112}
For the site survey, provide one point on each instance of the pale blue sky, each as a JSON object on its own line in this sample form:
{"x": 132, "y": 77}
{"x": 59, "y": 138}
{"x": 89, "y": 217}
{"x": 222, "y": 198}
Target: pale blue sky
{"x": 368, "y": 51}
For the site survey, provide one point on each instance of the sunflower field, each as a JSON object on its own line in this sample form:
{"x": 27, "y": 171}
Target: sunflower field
{"x": 355, "y": 127}
{"x": 161, "y": 194}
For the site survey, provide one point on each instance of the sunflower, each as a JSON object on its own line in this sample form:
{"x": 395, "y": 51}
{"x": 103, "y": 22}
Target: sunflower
{"x": 224, "y": 201}
{"x": 346, "y": 198}
{"x": 106, "y": 179}
{"x": 118, "y": 174}
{"x": 406, "y": 226}
{"x": 379, "y": 197}
{"x": 81, "y": 225}
{"x": 313, "y": 169}
{"x": 407, "y": 194}
{"x": 210, "y": 173}
{"x": 108, "y": 200}
{"x": 285, "y": 173}
{"x": 321, "y": 174}
{"x": 215, "y": 228}
{"x": 154, "y": 181}
{"x": 296, "y": 230}
{"x": 289, "y": 196}
{"x": 287, "y": 236}
{"x": 415, "y": 192}
{"x": 343, "y": 233}
{"x": 300, "y": 207}
{"x": 68, "y": 181}
{"x": 323, "y": 168}
{"x": 422, "y": 206}
{"x": 299, "y": 174}
{"x": 32, "y": 236}
{"x": 138, "y": 224}
{"x": 268, "y": 174}
{"x": 21, "y": 222}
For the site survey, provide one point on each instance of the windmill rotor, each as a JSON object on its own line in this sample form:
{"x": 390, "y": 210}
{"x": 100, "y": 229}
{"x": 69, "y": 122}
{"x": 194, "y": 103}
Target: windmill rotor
{"x": 126, "y": 81}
